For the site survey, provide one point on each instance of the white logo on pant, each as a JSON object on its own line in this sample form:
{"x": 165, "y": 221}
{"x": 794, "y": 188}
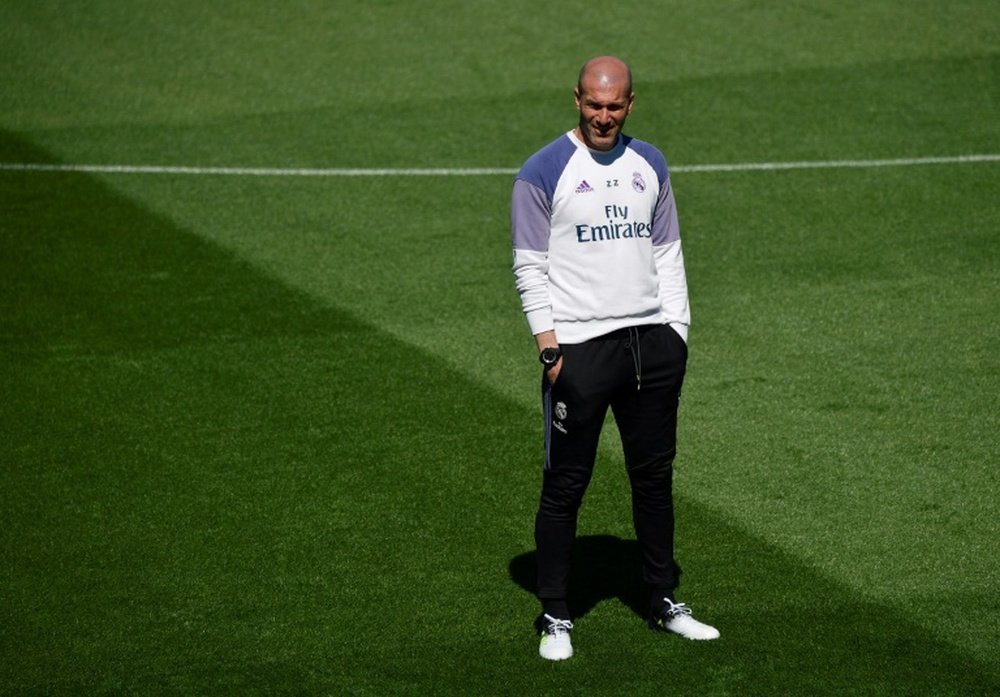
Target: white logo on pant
{"x": 560, "y": 412}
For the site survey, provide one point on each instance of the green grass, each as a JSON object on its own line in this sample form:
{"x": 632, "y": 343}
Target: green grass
{"x": 281, "y": 435}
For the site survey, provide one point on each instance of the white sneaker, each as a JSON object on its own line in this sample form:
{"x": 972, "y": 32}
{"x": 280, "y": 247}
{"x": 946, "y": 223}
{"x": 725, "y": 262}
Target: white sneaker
{"x": 676, "y": 618}
{"x": 555, "y": 644}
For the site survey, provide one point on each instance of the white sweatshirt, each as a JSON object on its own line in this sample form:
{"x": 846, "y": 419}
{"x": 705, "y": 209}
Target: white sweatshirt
{"x": 596, "y": 241}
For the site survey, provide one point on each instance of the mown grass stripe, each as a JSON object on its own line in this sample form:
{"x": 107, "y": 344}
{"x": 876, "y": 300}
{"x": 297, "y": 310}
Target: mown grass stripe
{"x": 473, "y": 171}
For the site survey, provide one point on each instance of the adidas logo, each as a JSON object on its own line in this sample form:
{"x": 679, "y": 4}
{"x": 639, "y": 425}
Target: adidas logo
{"x": 583, "y": 187}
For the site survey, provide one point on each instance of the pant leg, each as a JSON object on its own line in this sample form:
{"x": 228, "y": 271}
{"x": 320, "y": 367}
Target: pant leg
{"x": 647, "y": 421}
{"x": 574, "y": 410}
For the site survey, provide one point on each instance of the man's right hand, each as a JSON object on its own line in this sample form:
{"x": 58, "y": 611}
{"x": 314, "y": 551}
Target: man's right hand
{"x": 546, "y": 340}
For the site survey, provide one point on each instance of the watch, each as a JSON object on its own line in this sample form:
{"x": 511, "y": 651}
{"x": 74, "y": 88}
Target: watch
{"x": 550, "y": 356}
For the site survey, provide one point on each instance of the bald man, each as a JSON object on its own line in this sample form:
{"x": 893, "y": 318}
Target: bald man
{"x": 599, "y": 268}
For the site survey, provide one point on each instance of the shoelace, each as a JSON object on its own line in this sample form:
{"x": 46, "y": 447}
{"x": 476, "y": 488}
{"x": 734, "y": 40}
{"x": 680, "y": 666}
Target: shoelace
{"x": 676, "y": 609}
{"x": 555, "y": 626}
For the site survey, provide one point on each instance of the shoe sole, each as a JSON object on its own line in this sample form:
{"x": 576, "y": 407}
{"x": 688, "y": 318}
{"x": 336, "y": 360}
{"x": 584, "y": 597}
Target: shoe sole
{"x": 655, "y": 626}
{"x": 557, "y": 657}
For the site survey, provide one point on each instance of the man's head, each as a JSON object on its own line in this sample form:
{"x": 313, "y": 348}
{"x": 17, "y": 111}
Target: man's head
{"x": 604, "y": 99}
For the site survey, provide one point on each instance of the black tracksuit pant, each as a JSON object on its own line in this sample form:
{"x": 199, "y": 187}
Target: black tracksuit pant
{"x": 638, "y": 373}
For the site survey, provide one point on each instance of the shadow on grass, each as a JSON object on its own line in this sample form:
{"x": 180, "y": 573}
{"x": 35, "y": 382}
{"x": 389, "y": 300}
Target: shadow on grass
{"x": 786, "y": 629}
{"x": 604, "y": 567}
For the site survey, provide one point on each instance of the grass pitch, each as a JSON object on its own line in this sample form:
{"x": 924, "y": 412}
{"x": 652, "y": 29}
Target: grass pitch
{"x": 280, "y": 435}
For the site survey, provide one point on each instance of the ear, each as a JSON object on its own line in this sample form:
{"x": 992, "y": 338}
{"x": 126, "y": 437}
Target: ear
{"x": 631, "y": 101}
{"x": 576, "y": 97}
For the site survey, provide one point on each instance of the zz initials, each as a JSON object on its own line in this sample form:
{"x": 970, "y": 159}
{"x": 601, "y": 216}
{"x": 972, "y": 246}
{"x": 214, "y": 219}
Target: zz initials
{"x": 612, "y": 183}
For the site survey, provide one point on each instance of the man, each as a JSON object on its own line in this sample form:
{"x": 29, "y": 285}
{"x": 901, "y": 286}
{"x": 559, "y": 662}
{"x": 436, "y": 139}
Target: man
{"x": 598, "y": 265}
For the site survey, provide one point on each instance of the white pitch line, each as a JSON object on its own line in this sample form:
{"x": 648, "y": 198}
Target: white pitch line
{"x": 473, "y": 172}
{"x": 838, "y": 164}
{"x": 255, "y": 171}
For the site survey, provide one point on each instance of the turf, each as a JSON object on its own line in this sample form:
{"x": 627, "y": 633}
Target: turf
{"x": 281, "y": 435}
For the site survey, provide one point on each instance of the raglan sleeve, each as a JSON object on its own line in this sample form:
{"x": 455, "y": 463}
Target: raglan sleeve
{"x": 531, "y": 212}
{"x": 669, "y": 259}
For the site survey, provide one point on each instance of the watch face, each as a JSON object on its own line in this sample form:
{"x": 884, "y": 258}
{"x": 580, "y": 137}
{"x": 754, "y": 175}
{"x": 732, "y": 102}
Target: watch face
{"x": 549, "y": 356}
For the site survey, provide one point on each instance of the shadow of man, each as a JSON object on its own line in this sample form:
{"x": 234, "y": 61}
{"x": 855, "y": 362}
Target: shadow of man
{"x": 603, "y": 567}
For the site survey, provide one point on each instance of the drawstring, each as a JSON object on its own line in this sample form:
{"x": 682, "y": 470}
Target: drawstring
{"x": 633, "y": 345}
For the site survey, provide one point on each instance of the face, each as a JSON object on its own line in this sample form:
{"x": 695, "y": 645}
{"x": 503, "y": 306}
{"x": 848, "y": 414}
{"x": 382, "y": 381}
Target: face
{"x": 603, "y": 108}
